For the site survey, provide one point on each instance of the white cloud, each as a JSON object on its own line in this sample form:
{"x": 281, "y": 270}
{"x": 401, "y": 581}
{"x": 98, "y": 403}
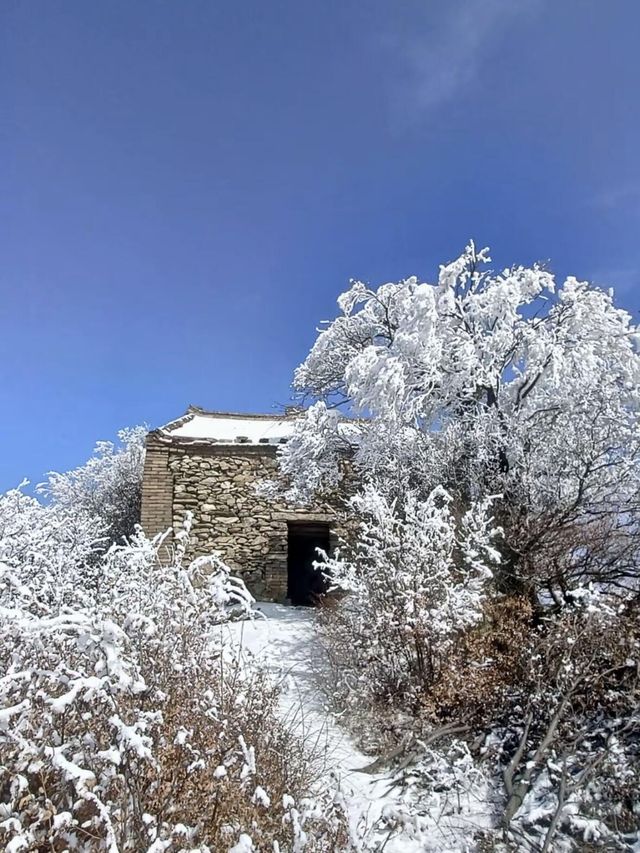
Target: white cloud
{"x": 440, "y": 59}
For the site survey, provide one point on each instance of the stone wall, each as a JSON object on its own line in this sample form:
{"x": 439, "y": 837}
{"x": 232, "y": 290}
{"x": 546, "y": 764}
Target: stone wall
{"x": 217, "y": 484}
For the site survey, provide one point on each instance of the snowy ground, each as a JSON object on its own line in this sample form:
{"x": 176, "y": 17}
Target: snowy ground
{"x": 285, "y": 642}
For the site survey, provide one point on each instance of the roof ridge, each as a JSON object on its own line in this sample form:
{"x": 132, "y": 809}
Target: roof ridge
{"x": 197, "y": 410}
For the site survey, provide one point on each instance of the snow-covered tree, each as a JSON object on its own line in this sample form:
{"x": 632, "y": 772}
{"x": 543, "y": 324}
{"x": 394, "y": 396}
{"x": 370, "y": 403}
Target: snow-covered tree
{"x": 497, "y": 451}
{"x": 489, "y": 384}
{"x": 108, "y": 486}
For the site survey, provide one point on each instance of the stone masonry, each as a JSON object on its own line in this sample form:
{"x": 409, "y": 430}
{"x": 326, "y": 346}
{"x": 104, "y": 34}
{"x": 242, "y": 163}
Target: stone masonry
{"x": 203, "y": 463}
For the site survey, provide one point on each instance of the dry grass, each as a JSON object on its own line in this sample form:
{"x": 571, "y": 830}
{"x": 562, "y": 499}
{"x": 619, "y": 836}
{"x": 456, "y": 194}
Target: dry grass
{"x": 484, "y": 665}
{"x": 222, "y": 763}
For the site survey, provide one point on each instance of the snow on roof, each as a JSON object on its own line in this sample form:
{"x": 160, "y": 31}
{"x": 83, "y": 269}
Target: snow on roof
{"x": 231, "y": 428}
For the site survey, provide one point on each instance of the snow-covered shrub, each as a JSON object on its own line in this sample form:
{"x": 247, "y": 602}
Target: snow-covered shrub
{"x": 418, "y": 578}
{"x": 476, "y": 683}
{"x": 126, "y": 722}
{"x": 572, "y": 728}
{"x": 448, "y": 789}
{"x": 48, "y": 553}
{"x": 108, "y": 486}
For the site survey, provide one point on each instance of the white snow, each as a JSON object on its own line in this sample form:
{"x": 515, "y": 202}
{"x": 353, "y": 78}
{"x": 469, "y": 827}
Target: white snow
{"x": 253, "y": 429}
{"x": 286, "y": 644}
{"x": 224, "y": 428}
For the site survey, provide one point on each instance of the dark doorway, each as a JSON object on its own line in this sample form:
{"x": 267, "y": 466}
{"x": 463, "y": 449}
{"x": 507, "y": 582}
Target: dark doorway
{"x": 305, "y": 584}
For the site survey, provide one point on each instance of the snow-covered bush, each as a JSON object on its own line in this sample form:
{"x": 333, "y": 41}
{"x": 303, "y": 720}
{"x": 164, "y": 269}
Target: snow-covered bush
{"x": 418, "y": 578}
{"x": 126, "y": 723}
{"x": 48, "y": 553}
{"x": 572, "y": 728}
{"x": 108, "y": 486}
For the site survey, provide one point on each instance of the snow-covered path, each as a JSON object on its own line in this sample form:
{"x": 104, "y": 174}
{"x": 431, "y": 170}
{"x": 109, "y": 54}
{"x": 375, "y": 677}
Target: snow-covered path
{"x": 285, "y": 642}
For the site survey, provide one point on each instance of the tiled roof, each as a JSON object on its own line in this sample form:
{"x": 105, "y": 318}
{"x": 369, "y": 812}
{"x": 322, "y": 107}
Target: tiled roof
{"x": 231, "y": 427}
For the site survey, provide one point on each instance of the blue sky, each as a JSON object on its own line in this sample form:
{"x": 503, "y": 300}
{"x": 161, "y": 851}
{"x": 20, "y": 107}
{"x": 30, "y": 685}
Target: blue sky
{"x": 186, "y": 187}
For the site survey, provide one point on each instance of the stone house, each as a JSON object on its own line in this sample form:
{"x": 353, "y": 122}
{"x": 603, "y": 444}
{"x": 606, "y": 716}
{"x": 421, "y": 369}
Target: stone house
{"x": 209, "y": 463}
